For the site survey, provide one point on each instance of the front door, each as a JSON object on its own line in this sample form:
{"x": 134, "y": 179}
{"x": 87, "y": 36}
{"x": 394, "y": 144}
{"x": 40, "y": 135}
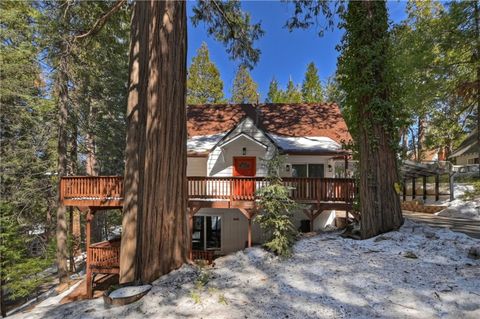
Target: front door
{"x": 244, "y": 167}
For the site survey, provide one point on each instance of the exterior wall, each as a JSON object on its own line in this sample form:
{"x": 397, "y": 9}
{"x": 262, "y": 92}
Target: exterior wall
{"x": 326, "y": 218}
{"x": 234, "y": 233}
{"x": 220, "y": 160}
{"x": 196, "y": 166}
{"x": 463, "y": 159}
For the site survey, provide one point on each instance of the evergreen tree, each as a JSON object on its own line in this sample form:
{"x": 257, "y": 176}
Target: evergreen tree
{"x": 204, "y": 84}
{"x": 275, "y": 94}
{"x": 312, "y": 87}
{"x": 333, "y": 92}
{"x": 244, "y": 89}
{"x": 292, "y": 93}
{"x": 366, "y": 68}
{"x": 277, "y": 209}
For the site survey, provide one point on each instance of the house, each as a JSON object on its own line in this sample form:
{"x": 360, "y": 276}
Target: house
{"x": 228, "y": 146}
{"x": 235, "y": 141}
{"x": 468, "y": 151}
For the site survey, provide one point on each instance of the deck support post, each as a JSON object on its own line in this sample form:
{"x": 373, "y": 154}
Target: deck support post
{"x": 249, "y": 214}
{"x": 413, "y": 188}
{"x": 346, "y": 166}
{"x": 404, "y": 190}
{"x": 87, "y": 245}
{"x": 424, "y": 180}
{"x": 437, "y": 187}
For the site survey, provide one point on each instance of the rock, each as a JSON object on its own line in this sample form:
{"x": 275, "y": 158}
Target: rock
{"x": 474, "y": 252}
{"x": 409, "y": 254}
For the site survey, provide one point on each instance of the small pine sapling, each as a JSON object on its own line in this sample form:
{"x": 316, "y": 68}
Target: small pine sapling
{"x": 276, "y": 210}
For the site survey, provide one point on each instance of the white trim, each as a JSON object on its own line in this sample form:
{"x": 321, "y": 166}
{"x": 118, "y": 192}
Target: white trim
{"x": 223, "y": 144}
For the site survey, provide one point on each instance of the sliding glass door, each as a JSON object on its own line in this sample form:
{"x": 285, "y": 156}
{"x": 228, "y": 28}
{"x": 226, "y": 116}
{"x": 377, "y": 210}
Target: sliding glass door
{"x": 207, "y": 231}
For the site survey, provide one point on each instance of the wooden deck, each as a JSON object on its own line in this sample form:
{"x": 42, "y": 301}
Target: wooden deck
{"x": 106, "y": 192}
{"x": 217, "y": 192}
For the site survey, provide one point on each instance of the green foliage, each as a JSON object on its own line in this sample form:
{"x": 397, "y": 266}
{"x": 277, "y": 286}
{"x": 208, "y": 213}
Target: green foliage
{"x": 277, "y": 209}
{"x": 292, "y": 93}
{"x": 20, "y": 272}
{"x": 435, "y": 65}
{"x": 333, "y": 92}
{"x": 365, "y": 67}
{"x": 244, "y": 89}
{"x": 275, "y": 94}
{"x": 228, "y": 24}
{"x": 204, "y": 84}
{"x": 312, "y": 90}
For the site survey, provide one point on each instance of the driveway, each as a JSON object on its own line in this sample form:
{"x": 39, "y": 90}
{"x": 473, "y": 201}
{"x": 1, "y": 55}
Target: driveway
{"x": 463, "y": 225}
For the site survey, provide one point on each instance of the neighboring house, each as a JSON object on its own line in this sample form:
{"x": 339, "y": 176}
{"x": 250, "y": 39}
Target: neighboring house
{"x": 468, "y": 151}
{"x": 236, "y": 140}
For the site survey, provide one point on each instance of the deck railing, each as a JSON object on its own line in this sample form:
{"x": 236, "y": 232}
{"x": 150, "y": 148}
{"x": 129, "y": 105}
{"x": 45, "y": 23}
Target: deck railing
{"x": 104, "y": 255}
{"x": 92, "y": 187}
{"x": 215, "y": 188}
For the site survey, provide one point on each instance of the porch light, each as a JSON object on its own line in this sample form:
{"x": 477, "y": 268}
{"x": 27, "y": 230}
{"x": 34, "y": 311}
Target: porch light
{"x": 329, "y": 168}
{"x": 244, "y": 151}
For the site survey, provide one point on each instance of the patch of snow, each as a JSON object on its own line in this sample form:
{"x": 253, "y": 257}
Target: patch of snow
{"x": 129, "y": 291}
{"x": 460, "y": 208}
{"x": 327, "y": 277}
{"x": 308, "y": 143}
{"x": 203, "y": 143}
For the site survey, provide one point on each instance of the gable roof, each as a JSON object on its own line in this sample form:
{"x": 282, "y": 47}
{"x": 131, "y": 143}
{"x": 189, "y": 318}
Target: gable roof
{"x": 469, "y": 145}
{"x": 283, "y": 119}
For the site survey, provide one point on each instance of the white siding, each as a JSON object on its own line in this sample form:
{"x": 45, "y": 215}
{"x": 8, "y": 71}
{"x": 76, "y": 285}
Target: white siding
{"x": 234, "y": 229}
{"x": 220, "y": 160}
{"x": 310, "y": 159}
{"x": 463, "y": 159}
{"x": 196, "y": 166}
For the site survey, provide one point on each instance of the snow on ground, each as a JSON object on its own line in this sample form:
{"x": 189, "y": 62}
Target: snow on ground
{"x": 460, "y": 208}
{"x": 327, "y": 277}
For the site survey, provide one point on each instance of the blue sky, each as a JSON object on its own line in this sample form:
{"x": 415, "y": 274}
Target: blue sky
{"x": 284, "y": 54}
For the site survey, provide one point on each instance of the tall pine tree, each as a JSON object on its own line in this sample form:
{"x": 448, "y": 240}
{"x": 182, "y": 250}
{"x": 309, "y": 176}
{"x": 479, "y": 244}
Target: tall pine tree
{"x": 366, "y": 68}
{"x": 244, "y": 89}
{"x": 204, "y": 84}
{"x": 275, "y": 94}
{"x": 312, "y": 87}
{"x": 292, "y": 93}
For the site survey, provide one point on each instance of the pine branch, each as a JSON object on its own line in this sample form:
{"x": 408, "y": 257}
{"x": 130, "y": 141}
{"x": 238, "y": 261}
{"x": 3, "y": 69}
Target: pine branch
{"x": 100, "y": 23}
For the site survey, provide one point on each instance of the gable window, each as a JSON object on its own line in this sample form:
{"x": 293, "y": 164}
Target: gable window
{"x": 473, "y": 161}
{"x": 308, "y": 170}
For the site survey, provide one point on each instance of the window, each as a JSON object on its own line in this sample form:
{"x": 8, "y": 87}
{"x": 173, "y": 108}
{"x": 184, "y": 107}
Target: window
{"x": 299, "y": 170}
{"x": 308, "y": 170}
{"x": 473, "y": 161}
{"x": 207, "y": 231}
{"x": 315, "y": 170}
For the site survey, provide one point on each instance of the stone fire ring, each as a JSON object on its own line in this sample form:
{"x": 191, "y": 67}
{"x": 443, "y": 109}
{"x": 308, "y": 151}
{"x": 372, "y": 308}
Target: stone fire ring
{"x": 124, "y": 294}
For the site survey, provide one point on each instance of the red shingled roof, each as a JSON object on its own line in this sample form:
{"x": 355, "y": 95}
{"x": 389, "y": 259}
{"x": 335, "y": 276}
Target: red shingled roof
{"x": 295, "y": 120}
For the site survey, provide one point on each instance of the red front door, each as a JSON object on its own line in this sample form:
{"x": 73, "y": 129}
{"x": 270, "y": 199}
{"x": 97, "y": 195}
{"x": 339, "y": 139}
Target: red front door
{"x": 244, "y": 167}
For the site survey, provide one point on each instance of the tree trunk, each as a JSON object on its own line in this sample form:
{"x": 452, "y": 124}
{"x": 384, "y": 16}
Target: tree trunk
{"x": 379, "y": 201}
{"x": 156, "y": 166}
{"x": 3, "y": 310}
{"x": 476, "y": 60}
{"x": 420, "y": 137}
{"x": 135, "y": 128}
{"x": 62, "y": 94}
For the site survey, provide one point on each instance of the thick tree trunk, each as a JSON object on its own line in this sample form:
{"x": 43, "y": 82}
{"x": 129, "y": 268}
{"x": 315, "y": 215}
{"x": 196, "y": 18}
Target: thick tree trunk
{"x": 62, "y": 93}
{"x": 379, "y": 201}
{"x": 156, "y": 165}
{"x": 135, "y": 132}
